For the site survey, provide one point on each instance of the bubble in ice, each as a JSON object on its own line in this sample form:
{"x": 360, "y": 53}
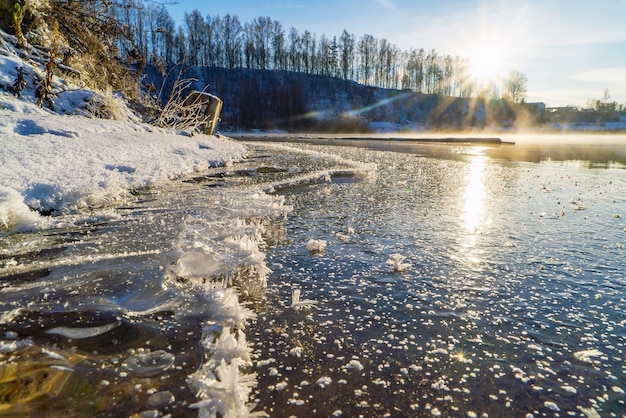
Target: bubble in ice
{"x": 78, "y": 333}
{"x": 148, "y": 363}
{"x": 159, "y": 399}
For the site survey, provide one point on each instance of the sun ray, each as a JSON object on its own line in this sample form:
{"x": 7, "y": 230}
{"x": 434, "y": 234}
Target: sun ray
{"x": 485, "y": 64}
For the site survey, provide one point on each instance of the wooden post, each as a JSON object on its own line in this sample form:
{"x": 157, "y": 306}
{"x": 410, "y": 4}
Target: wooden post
{"x": 208, "y": 108}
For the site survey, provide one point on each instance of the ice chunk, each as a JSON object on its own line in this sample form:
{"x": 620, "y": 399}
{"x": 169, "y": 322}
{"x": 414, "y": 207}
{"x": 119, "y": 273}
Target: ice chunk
{"x": 316, "y": 247}
{"x": 396, "y": 263}
{"x": 586, "y": 355}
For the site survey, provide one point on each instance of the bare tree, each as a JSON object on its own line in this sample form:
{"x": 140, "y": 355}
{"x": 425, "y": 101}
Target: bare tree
{"x": 295, "y": 46}
{"x": 515, "y": 87}
{"x": 231, "y": 34}
{"x": 263, "y": 44}
{"x": 278, "y": 46}
{"x": 367, "y": 52}
{"x": 347, "y": 48}
{"x": 195, "y": 26}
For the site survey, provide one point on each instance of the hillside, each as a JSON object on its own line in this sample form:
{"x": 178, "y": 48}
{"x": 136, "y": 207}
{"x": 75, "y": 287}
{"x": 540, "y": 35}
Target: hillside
{"x": 257, "y": 99}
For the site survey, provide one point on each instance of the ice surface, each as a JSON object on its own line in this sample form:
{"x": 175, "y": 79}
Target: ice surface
{"x": 83, "y": 332}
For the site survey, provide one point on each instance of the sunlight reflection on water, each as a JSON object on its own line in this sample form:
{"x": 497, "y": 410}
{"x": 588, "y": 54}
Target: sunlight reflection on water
{"x": 512, "y": 302}
{"x": 503, "y": 291}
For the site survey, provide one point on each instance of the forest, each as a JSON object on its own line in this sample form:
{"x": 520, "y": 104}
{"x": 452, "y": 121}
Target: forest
{"x": 264, "y": 44}
{"x": 268, "y": 76}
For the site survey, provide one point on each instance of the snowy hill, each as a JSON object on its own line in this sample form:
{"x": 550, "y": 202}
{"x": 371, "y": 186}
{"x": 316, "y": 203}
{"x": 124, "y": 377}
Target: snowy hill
{"x": 257, "y": 99}
{"x": 297, "y": 102}
{"x": 67, "y": 159}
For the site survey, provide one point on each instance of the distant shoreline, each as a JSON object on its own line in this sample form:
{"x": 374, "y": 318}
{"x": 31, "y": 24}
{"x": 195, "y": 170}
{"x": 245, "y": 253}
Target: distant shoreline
{"x": 447, "y": 140}
{"x": 451, "y": 139}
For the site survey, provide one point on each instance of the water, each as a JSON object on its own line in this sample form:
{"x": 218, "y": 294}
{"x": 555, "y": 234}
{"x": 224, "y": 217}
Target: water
{"x": 508, "y": 300}
{"x": 512, "y": 303}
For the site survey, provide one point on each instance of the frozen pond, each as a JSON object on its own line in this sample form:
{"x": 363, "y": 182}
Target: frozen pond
{"x": 509, "y": 300}
{"x": 452, "y": 280}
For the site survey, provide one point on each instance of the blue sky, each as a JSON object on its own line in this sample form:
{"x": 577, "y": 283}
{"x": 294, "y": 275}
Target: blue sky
{"x": 570, "y": 50}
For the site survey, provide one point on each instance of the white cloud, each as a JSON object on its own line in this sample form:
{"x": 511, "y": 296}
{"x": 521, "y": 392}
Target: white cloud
{"x": 612, "y": 75}
{"x": 387, "y": 4}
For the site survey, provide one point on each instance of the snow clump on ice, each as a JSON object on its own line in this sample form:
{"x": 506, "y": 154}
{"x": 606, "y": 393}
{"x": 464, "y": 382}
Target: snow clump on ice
{"x": 396, "y": 261}
{"x": 316, "y": 247}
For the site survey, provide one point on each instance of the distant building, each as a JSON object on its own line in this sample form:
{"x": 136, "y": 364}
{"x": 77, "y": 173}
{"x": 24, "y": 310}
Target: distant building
{"x": 539, "y": 107}
{"x": 536, "y": 112}
{"x": 563, "y": 114}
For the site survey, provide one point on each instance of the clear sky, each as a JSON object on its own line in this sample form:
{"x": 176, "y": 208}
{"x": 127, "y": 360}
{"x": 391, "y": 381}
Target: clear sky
{"x": 570, "y": 50}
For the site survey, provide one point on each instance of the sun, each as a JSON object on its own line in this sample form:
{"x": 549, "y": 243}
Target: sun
{"x": 485, "y": 64}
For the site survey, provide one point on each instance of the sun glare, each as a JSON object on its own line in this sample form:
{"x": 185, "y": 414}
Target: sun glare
{"x": 485, "y": 64}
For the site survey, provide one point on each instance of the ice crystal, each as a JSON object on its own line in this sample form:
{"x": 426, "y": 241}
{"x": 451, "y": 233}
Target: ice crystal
{"x": 324, "y": 381}
{"x": 586, "y": 355}
{"x": 225, "y": 393}
{"x": 396, "y": 263}
{"x": 298, "y": 304}
{"x": 229, "y": 311}
{"x": 589, "y": 412}
{"x": 228, "y": 347}
{"x": 316, "y": 247}
{"x": 354, "y": 365}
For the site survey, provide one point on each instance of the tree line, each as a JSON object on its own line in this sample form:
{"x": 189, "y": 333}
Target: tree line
{"x": 264, "y": 44}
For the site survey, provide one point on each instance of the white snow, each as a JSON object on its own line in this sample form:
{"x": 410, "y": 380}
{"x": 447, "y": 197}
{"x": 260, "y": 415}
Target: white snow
{"x": 63, "y": 163}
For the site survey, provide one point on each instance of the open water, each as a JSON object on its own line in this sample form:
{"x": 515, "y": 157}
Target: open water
{"x": 451, "y": 280}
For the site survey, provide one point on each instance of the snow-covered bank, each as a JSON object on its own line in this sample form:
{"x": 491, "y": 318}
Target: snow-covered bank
{"x": 63, "y": 160}
{"x": 59, "y": 163}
